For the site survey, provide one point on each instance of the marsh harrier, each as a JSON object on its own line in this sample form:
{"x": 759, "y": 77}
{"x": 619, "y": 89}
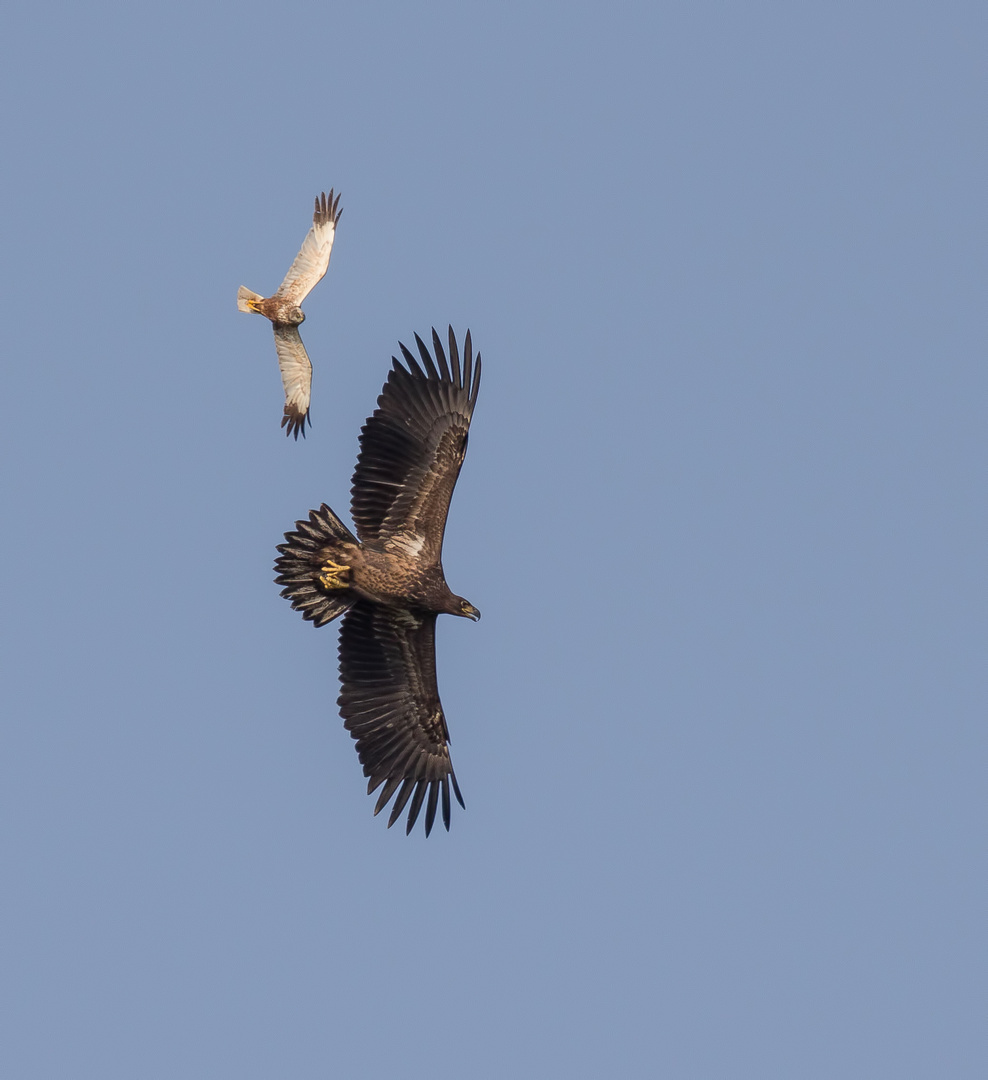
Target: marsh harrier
{"x": 285, "y": 311}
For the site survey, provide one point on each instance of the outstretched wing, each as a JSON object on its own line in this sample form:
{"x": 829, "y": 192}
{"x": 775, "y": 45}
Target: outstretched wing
{"x": 296, "y": 377}
{"x": 390, "y": 704}
{"x": 412, "y": 448}
{"x": 313, "y": 259}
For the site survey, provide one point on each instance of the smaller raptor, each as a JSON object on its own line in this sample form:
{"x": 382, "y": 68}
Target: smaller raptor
{"x": 285, "y": 311}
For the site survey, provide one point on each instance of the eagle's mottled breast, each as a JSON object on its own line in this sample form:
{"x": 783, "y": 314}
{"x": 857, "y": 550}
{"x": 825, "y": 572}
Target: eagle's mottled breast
{"x": 388, "y": 576}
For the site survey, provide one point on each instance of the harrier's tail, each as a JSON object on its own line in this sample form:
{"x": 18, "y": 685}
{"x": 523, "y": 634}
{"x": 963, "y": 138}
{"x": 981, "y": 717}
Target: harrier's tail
{"x": 314, "y": 581}
{"x": 243, "y": 295}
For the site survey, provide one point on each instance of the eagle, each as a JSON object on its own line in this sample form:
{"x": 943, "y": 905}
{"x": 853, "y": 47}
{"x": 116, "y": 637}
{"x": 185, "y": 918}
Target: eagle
{"x": 285, "y": 311}
{"x": 388, "y": 581}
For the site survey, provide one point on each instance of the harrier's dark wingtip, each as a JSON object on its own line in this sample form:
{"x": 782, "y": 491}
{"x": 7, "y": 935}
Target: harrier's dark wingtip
{"x": 294, "y": 424}
{"x": 327, "y": 209}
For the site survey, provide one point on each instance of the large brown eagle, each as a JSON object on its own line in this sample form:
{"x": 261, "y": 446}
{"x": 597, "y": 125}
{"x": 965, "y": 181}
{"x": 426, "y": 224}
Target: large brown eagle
{"x": 285, "y": 311}
{"x": 390, "y": 581}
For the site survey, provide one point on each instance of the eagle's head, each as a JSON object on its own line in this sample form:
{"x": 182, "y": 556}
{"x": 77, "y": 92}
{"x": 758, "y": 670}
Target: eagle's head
{"x": 467, "y": 610}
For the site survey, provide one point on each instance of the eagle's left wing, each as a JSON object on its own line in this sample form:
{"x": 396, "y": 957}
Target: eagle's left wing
{"x": 312, "y": 260}
{"x": 412, "y": 448}
{"x": 390, "y": 704}
{"x": 296, "y": 377}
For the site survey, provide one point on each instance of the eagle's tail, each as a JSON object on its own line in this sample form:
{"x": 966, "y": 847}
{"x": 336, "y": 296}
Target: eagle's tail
{"x": 243, "y": 295}
{"x": 314, "y": 580}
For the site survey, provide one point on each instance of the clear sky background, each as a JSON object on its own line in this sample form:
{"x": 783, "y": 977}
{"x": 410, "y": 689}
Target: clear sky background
{"x": 722, "y": 730}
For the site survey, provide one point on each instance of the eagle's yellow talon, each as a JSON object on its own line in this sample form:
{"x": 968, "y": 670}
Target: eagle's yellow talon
{"x": 334, "y": 576}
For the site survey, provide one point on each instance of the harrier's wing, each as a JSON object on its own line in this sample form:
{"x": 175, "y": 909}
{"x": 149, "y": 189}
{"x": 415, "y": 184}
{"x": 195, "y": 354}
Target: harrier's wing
{"x": 412, "y": 448}
{"x": 390, "y": 704}
{"x": 313, "y": 259}
{"x": 296, "y": 377}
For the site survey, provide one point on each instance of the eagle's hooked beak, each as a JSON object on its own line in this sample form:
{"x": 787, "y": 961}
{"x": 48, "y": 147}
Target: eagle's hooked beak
{"x": 470, "y": 611}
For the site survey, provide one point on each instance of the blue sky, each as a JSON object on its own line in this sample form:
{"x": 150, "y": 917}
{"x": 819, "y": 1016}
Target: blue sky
{"x": 721, "y": 732}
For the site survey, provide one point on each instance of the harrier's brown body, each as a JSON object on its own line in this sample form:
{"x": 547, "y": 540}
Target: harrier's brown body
{"x": 278, "y": 310}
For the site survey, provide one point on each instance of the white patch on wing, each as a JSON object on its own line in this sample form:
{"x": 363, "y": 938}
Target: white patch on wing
{"x": 410, "y": 545}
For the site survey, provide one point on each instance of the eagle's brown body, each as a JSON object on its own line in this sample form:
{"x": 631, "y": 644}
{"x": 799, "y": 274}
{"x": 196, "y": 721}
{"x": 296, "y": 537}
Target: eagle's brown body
{"x": 387, "y": 577}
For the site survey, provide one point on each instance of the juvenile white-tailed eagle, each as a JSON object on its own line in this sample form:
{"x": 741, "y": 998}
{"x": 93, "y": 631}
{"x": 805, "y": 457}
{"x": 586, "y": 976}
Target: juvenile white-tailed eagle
{"x": 285, "y": 311}
{"x": 390, "y": 581}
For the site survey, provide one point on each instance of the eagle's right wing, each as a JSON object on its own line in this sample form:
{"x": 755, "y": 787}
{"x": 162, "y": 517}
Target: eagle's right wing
{"x": 390, "y": 704}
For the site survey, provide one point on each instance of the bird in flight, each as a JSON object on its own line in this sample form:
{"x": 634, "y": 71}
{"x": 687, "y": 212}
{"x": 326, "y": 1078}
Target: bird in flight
{"x": 388, "y": 581}
{"x": 285, "y": 311}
